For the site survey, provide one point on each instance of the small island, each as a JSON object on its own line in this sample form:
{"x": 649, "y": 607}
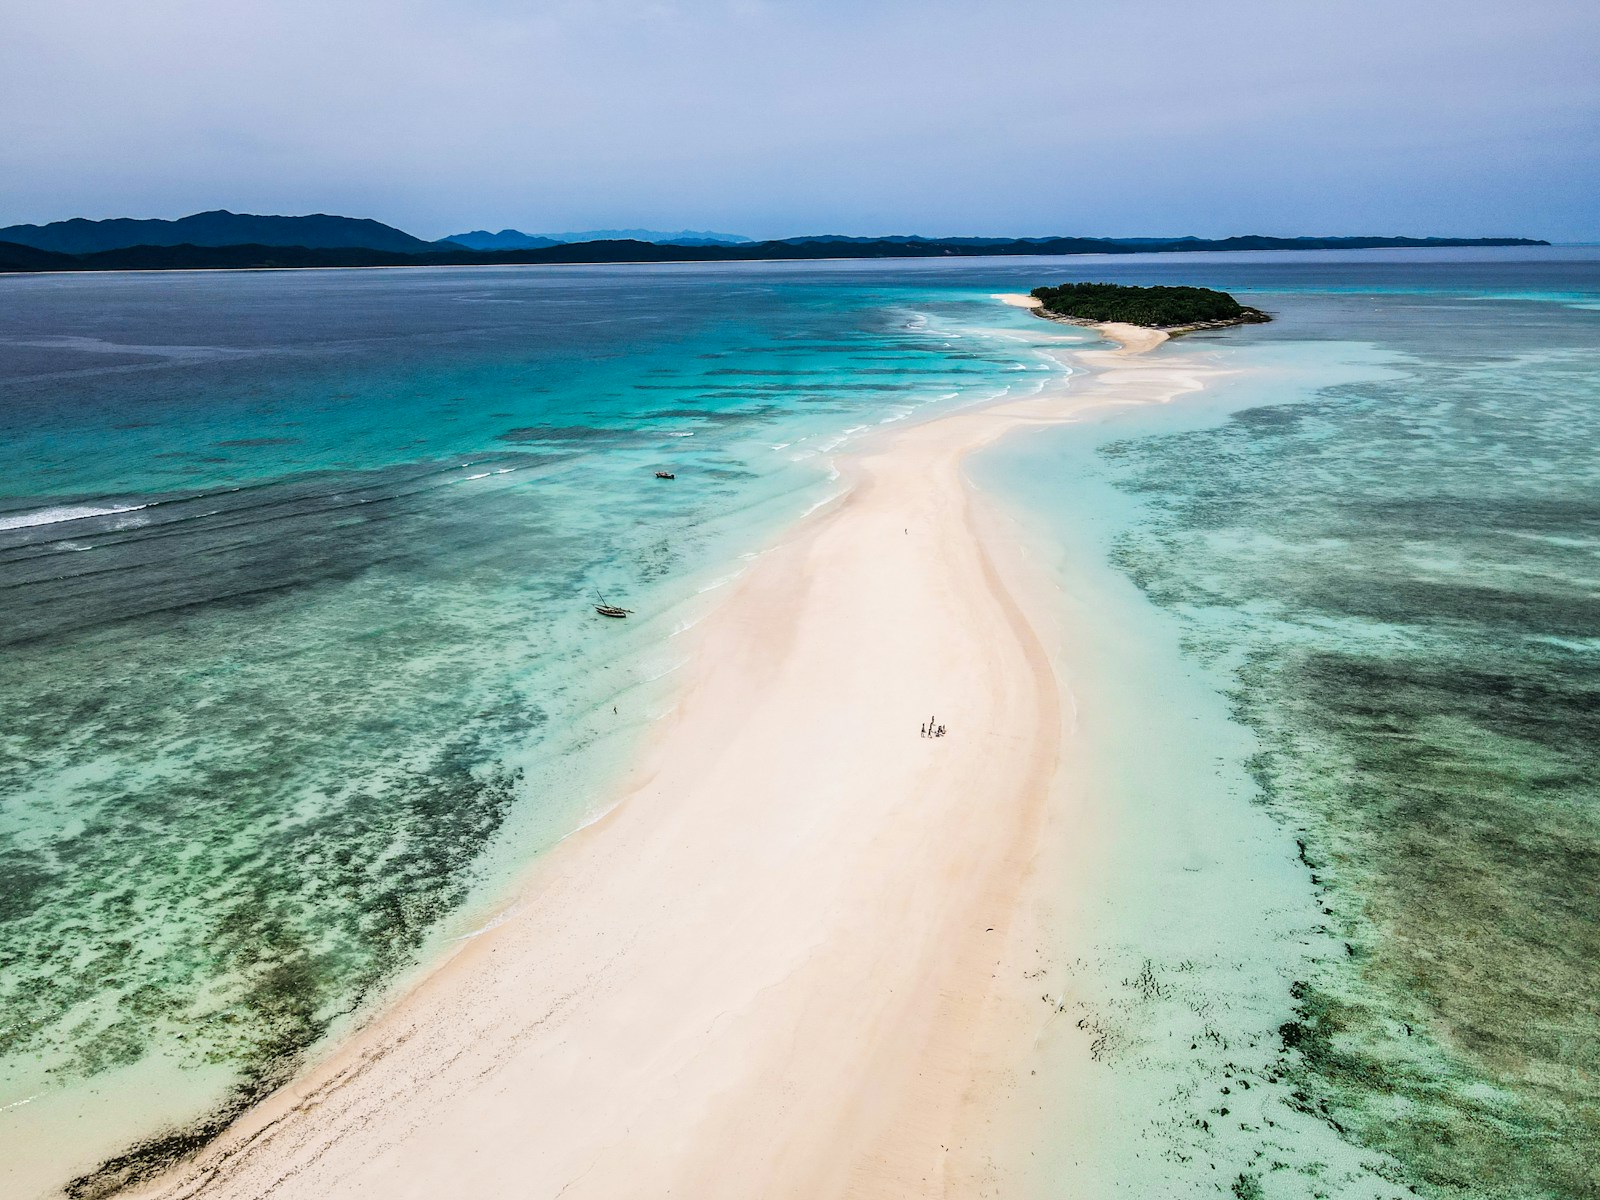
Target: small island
{"x": 1169, "y": 309}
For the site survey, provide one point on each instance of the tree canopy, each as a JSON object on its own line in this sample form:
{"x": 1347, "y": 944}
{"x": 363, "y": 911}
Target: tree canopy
{"x": 1153, "y": 307}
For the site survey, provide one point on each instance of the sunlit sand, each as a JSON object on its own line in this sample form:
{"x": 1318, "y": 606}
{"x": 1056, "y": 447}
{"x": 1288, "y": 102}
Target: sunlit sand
{"x": 785, "y": 964}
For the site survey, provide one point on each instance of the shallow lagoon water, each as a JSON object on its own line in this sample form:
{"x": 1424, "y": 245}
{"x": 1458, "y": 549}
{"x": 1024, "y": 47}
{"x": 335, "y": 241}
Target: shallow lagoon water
{"x": 300, "y": 670}
{"x": 1376, "y": 549}
{"x": 301, "y": 666}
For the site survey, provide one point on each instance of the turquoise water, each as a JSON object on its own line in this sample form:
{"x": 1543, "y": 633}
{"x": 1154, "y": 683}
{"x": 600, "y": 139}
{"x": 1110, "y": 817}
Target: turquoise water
{"x": 1376, "y": 549}
{"x": 301, "y": 666}
{"x": 300, "y": 669}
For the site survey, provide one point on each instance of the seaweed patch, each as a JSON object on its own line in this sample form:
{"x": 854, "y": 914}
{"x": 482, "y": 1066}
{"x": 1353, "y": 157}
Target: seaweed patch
{"x": 1407, "y": 608}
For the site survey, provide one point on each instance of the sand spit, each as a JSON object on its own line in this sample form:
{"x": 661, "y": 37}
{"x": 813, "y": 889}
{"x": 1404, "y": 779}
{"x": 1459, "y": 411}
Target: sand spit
{"x": 1134, "y": 339}
{"x": 790, "y": 962}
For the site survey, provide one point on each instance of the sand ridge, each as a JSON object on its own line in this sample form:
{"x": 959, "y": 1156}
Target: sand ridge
{"x": 1132, "y": 339}
{"x": 782, "y": 965}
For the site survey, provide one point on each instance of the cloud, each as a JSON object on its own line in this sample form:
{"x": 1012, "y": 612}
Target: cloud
{"x": 775, "y": 118}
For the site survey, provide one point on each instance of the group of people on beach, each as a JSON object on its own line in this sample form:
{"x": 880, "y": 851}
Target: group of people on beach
{"x": 931, "y": 729}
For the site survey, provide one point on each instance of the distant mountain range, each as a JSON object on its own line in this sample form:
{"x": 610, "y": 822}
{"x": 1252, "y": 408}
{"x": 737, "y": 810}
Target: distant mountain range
{"x": 317, "y": 232}
{"x": 225, "y": 240}
{"x": 219, "y": 228}
{"x": 515, "y": 239}
{"x": 506, "y": 239}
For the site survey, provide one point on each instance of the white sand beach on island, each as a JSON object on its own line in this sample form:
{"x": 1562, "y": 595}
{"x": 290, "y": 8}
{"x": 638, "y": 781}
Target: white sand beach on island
{"x": 791, "y": 962}
{"x": 1134, "y": 339}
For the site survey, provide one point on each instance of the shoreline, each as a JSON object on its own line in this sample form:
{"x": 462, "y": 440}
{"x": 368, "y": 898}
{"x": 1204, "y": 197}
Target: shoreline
{"x": 1130, "y": 336}
{"x": 1130, "y": 339}
{"x": 773, "y": 967}
{"x": 1263, "y": 254}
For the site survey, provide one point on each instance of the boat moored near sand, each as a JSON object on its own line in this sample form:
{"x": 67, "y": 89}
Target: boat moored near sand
{"x": 607, "y": 609}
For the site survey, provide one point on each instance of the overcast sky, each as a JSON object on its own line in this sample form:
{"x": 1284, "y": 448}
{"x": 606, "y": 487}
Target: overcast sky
{"x": 1116, "y": 117}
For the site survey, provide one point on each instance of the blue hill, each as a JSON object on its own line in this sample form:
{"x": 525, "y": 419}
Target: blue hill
{"x": 515, "y": 239}
{"x": 218, "y": 228}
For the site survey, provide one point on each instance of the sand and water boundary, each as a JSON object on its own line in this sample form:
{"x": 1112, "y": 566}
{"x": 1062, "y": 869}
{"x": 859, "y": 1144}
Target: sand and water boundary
{"x": 792, "y": 960}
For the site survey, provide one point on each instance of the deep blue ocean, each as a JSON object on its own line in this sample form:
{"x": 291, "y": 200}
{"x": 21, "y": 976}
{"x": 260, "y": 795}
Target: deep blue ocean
{"x": 300, "y": 666}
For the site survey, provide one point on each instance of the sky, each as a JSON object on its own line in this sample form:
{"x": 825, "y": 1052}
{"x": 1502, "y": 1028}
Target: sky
{"x": 770, "y": 119}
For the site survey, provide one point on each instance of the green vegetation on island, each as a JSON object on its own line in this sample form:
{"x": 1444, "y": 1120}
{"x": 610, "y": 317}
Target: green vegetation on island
{"x": 1152, "y": 307}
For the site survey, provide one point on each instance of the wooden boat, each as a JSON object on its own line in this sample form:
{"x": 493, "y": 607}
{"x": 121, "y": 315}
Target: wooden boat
{"x": 609, "y": 610}
{"x": 665, "y": 475}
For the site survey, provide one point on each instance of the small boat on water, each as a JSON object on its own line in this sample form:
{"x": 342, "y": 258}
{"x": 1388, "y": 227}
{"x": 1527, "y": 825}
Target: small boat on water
{"x": 610, "y": 610}
{"x": 665, "y": 475}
